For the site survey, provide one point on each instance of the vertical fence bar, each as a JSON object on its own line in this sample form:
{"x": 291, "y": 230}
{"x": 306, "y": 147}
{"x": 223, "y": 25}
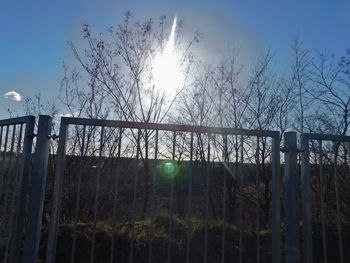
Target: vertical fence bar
{"x": 189, "y": 211}
{"x": 291, "y": 198}
{"x": 1, "y": 132}
{"x": 9, "y": 168}
{"x": 224, "y": 205}
{"x": 134, "y": 203}
{"x": 9, "y": 182}
{"x": 257, "y": 174}
{"x": 276, "y": 225}
{"x": 323, "y": 216}
{"x": 115, "y": 199}
{"x": 306, "y": 200}
{"x": 146, "y": 165}
{"x": 207, "y": 184}
{"x": 153, "y": 200}
{"x": 171, "y": 210}
{"x": 18, "y": 151}
{"x": 41, "y": 157}
{"x": 22, "y": 188}
{"x": 16, "y": 193}
{"x": 241, "y": 201}
{"x": 16, "y": 188}
{"x": 2, "y": 178}
{"x": 348, "y": 158}
{"x": 1, "y": 169}
{"x": 97, "y": 194}
{"x": 77, "y": 196}
{"x": 57, "y": 194}
{"x": 337, "y": 200}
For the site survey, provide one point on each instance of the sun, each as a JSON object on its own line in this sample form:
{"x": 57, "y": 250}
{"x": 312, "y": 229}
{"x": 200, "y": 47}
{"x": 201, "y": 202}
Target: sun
{"x": 166, "y": 67}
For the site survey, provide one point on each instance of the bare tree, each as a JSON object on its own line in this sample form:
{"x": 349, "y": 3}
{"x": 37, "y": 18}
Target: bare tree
{"x": 331, "y": 90}
{"x": 121, "y": 65}
{"x": 300, "y": 80}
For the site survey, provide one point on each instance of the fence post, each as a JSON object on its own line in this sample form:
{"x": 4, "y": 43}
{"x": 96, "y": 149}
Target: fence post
{"x": 57, "y": 192}
{"x": 41, "y": 156}
{"x": 305, "y": 200}
{"x": 291, "y": 198}
{"x": 276, "y": 204}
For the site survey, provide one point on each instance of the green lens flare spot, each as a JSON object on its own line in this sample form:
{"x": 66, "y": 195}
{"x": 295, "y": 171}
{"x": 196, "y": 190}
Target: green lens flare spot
{"x": 169, "y": 168}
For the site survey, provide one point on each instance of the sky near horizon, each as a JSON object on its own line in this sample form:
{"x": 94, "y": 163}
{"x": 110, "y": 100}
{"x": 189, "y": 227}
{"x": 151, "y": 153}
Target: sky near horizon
{"x": 34, "y": 33}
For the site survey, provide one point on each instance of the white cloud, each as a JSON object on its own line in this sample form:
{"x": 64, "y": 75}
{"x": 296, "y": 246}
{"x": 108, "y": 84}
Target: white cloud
{"x": 13, "y": 95}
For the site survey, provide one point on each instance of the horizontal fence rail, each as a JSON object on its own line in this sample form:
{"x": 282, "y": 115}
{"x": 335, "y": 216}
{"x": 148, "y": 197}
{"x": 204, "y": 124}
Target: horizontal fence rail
{"x": 144, "y": 192}
{"x": 325, "y": 187}
{"x": 16, "y": 139}
{"x": 167, "y": 127}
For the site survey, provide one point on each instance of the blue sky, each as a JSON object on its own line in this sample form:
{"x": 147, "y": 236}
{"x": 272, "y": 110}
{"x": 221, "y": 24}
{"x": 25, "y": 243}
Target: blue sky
{"x": 34, "y": 33}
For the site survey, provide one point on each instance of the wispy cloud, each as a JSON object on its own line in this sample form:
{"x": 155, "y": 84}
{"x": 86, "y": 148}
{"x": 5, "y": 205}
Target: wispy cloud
{"x": 13, "y": 95}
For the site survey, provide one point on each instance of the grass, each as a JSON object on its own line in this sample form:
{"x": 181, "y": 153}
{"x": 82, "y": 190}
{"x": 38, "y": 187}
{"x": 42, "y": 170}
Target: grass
{"x": 141, "y": 240}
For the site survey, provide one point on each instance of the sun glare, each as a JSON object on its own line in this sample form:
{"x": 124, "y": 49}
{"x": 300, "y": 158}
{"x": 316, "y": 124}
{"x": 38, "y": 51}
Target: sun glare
{"x": 166, "y": 68}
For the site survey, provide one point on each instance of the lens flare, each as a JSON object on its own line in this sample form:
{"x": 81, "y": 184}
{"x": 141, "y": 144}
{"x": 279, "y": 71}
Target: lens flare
{"x": 169, "y": 168}
{"x": 166, "y": 67}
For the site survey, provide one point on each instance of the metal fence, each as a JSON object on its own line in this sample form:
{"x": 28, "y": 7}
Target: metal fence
{"x": 16, "y": 139}
{"x": 120, "y": 191}
{"x": 325, "y": 188}
{"x": 167, "y": 187}
{"x": 22, "y": 186}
